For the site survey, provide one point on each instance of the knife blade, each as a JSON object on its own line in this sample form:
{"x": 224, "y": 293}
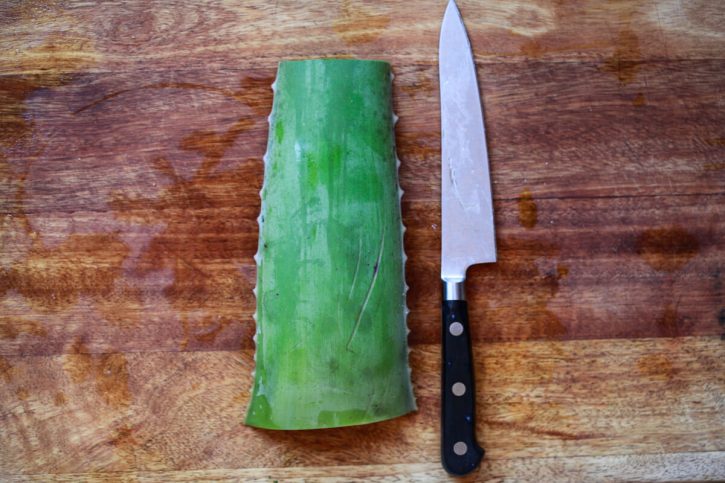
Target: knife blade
{"x": 467, "y": 235}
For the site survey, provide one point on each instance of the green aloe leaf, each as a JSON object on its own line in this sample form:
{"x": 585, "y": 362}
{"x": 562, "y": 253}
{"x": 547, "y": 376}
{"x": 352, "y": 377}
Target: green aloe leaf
{"x": 331, "y": 335}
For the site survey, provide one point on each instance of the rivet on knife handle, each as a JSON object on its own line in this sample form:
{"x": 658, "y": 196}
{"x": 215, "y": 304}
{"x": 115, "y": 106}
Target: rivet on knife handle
{"x": 460, "y": 452}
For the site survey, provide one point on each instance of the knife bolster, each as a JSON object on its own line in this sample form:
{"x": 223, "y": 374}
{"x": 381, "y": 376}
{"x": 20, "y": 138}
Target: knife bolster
{"x": 453, "y": 290}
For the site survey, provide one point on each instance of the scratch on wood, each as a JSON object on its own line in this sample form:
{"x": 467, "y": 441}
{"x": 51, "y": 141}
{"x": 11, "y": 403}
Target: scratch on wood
{"x": 546, "y": 432}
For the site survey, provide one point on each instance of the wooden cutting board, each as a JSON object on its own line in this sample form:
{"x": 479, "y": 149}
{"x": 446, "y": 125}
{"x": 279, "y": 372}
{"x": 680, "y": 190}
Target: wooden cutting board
{"x": 131, "y": 136}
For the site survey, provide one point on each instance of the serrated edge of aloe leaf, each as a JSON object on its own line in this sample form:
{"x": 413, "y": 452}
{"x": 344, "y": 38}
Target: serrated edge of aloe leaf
{"x": 403, "y": 229}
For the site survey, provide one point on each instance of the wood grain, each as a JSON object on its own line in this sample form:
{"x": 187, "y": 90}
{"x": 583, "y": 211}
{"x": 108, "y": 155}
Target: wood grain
{"x": 670, "y": 467}
{"x": 591, "y": 268}
{"x": 131, "y": 136}
{"x": 143, "y": 36}
{"x": 179, "y": 199}
{"x": 150, "y": 411}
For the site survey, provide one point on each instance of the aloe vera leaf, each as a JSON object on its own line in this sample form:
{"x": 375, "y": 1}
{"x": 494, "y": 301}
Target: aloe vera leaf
{"x": 331, "y": 340}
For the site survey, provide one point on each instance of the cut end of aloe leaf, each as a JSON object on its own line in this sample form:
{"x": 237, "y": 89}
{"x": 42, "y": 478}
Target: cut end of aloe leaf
{"x": 331, "y": 340}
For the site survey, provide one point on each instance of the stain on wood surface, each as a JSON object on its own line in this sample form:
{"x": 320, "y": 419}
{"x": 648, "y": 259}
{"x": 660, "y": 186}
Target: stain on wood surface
{"x": 639, "y": 100}
{"x": 531, "y": 276}
{"x": 667, "y": 249}
{"x": 60, "y": 398}
{"x": 527, "y": 210}
{"x": 668, "y": 324}
{"x": 13, "y": 93}
{"x": 22, "y": 393}
{"x": 656, "y": 366}
{"x": 625, "y": 61}
{"x": 107, "y": 372}
{"x": 11, "y": 328}
{"x": 5, "y": 369}
{"x": 53, "y": 278}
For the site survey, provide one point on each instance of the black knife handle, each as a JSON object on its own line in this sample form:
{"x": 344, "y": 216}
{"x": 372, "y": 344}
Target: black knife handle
{"x": 460, "y": 452}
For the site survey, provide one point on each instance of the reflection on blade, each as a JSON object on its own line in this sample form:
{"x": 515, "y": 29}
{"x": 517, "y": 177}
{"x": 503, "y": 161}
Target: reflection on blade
{"x": 467, "y": 211}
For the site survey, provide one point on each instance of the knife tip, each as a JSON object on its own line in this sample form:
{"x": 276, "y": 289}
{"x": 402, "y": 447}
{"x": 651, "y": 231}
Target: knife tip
{"x": 452, "y": 10}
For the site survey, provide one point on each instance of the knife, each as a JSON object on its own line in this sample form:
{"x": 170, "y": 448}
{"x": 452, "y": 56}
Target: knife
{"x": 467, "y": 236}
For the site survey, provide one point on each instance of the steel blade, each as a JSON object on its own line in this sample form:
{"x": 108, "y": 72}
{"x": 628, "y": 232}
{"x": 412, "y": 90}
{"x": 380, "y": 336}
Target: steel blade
{"x": 467, "y": 205}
